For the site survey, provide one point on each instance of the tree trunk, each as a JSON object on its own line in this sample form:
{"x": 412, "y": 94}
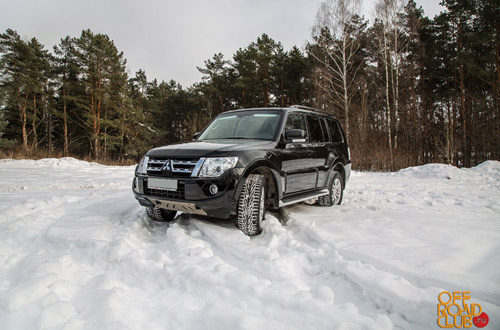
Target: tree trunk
{"x": 65, "y": 123}
{"x": 413, "y": 139}
{"x": 49, "y": 135}
{"x": 462, "y": 99}
{"x": 389, "y": 119}
{"x": 364, "y": 112}
{"x": 46, "y": 120}
{"x": 33, "y": 124}
{"x": 94, "y": 118}
{"x": 497, "y": 97}
{"x": 99, "y": 95}
{"x": 282, "y": 91}
{"x": 266, "y": 96}
{"x": 122, "y": 135}
{"x": 344, "y": 81}
{"x": 396, "y": 87}
{"x": 23, "y": 122}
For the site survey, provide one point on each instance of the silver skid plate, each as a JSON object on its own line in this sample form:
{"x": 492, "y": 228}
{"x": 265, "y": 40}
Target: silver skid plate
{"x": 177, "y": 206}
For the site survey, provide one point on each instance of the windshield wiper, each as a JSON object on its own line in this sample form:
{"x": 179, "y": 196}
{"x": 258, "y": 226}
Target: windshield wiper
{"x": 225, "y": 138}
{"x": 235, "y": 138}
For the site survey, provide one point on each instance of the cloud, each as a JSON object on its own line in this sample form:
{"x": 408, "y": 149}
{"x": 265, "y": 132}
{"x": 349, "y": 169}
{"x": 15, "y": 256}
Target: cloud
{"x": 168, "y": 39}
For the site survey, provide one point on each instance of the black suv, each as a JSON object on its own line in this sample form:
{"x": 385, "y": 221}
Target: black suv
{"x": 244, "y": 162}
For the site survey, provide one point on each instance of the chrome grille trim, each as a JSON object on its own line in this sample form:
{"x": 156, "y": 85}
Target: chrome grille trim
{"x": 162, "y": 166}
{"x": 158, "y": 163}
{"x": 176, "y": 166}
{"x": 198, "y": 166}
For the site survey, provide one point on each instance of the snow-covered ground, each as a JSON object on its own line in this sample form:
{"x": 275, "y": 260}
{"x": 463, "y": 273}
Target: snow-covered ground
{"x": 78, "y": 252}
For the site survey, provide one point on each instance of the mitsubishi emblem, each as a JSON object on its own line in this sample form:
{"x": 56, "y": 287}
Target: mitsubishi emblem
{"x": 166, "y": 166}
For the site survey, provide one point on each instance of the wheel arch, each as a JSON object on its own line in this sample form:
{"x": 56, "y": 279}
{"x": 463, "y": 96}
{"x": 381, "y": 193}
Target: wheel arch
{"x": 272, "y": 179}
{"x": 339, "y": 167}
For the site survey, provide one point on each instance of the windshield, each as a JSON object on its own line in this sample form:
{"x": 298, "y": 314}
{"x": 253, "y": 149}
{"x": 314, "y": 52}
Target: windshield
{"x": 243, "y": 125}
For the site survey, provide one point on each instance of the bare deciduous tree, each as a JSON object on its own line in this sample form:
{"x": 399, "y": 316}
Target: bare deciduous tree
{"x": 391, "y": 48}
{"x": 337, "y": 54}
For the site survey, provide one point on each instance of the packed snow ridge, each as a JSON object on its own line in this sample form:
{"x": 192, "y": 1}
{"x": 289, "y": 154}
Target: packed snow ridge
{"x": 78, "y": 252}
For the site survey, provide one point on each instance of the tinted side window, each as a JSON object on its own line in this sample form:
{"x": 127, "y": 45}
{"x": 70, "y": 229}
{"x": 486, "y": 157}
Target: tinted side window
{"x": 335, "y": 132}
{"x": 296, "y": 121}
{"x": 324, "y": 128}
{"x": 315, "y": 132}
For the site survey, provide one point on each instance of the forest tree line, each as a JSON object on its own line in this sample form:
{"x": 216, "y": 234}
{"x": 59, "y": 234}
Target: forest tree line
{"x": 407, "y": 89}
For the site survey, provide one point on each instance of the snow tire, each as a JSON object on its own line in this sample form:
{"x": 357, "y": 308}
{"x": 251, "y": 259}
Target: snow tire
{"x": 160, "y": 215}
{"x": 335, "y": 191}
{"x": 251, "y": 205}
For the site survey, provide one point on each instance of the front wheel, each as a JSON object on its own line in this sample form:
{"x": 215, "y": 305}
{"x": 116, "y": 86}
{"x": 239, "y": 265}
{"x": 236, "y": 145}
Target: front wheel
{"x": 251, "y": 205}
{"x": 160, "y": 215}
{"x": 335, "y": 191}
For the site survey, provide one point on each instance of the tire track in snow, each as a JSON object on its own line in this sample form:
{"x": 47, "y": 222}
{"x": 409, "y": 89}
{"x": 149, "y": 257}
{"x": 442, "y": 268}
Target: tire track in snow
{"x": 278, "y": 256}
{"x": 407, "y": 305}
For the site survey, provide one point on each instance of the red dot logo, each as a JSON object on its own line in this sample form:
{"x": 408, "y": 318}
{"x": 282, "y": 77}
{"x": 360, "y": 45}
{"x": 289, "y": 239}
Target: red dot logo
{"x": 481, "y": 321}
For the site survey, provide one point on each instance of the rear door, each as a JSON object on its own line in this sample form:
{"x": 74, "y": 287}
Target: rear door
{"x": 339, "y": 146}
{"x": 319, "y": 148}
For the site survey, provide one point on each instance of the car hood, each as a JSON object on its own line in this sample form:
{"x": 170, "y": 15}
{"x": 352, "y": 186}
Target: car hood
{"x": 213, "y": 148}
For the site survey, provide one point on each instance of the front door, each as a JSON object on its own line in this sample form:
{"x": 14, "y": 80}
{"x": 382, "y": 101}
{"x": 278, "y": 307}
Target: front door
{"x": 299, "y": 172}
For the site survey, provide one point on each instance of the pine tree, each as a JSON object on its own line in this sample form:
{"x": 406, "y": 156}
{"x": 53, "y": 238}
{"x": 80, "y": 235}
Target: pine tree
{"x": 254, "y": 65}
{"x": 66, "y": 71}
{"x": 40, "y": 73}
{"x": 5, "y": 144}
{"x": 15, "y": 56}
{"x": 103, "y": 76}
{"x": 217, "y": 86}
{"x": 26, "y": 70}
{"x": 295, "y": 78}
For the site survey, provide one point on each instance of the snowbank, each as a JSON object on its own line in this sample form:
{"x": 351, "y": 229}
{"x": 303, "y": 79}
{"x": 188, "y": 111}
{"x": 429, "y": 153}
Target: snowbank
{"x": 65, "y": 162}
{"x": 489, "y": 170}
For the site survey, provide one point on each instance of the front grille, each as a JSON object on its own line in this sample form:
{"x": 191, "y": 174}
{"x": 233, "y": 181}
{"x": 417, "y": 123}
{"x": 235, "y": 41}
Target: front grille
{"x": 173, "y": 167}
{"x": 179, "y": 194}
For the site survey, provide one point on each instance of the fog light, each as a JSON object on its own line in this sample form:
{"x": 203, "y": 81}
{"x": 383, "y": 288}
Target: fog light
{"x": 213, "y": 189}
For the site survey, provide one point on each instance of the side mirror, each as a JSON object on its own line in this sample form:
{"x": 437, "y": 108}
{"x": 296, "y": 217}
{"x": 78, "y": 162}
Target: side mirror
{"x": 195, "y": 136}
{"x": 295, "y": 135}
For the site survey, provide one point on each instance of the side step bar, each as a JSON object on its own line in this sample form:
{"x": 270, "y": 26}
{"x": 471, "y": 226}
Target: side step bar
{"x": 302, "y": 197}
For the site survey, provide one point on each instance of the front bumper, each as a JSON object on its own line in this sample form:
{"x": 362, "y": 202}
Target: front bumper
{"x": 192, "y": 195}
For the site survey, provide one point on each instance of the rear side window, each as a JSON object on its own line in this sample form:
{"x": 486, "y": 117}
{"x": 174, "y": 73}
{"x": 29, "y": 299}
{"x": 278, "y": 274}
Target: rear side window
{"x": 315, "y": 131}
{"x": 296, "y": 121}
{"x": 335, "y": 131}
{"x": 324, "y": 128}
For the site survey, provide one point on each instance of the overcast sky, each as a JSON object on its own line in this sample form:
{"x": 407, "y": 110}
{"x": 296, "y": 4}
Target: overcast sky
{"x": 170, "y": 38}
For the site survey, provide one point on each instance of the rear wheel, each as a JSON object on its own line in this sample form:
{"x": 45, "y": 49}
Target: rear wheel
{"x": 160, "y": 215}
{"x": 251, "y": 205}
{"x": 335, "y": 191}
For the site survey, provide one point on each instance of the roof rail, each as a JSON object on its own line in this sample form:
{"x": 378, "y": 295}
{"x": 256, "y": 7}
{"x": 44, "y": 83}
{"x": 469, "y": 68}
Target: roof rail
{"x": 303, "y": 107}
{"x": 298, "y": 106}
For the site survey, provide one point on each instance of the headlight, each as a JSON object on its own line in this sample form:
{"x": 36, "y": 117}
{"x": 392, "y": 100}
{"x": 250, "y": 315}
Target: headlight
{"x": 214, "y": 167}
{"x": 143, "y": 165}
